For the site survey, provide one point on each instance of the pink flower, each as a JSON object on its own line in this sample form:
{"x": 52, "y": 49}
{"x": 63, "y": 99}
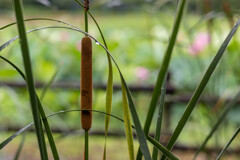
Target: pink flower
{"x": 201, "y": 41}
{"x": 142, "y": 73}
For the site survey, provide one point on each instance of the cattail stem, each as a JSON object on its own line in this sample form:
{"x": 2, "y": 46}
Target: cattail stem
{"x": 86, "y": 146}
{"x": 86, "y": 8}
{"x": 86, "y": 81}
{"x": 86, "y": 21}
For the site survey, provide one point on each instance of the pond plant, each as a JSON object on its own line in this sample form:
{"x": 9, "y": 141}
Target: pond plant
{"x": 40, "y": 119}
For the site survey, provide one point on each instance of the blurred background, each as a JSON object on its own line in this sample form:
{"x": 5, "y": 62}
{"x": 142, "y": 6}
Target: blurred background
{"x": 137, "y": 34}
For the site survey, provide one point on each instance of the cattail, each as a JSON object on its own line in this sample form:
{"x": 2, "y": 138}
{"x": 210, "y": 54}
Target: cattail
{"x": 86, "y": 82}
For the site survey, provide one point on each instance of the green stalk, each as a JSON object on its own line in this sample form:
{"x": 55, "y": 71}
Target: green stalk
{"x": 159, "y": 120}
{"x": 196, "y": 95}
{"x": 109, "y": 90}
{"x": 86, "y": 20}
{"x": 163, "y": 70}
{"x": 86, "y": 30}
{"x": 17, "y": 5}
{"x": 86, "y": 146}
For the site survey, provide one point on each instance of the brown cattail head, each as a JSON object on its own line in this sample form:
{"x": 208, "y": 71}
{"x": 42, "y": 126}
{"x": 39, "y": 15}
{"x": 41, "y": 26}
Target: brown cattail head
{"x": 86, "y": 82}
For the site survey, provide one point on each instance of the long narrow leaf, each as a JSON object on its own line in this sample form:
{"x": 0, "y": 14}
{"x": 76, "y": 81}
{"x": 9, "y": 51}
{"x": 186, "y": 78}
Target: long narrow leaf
{"x": 228, "y": 144}
{"x": 128, "y": 128}
{"x": 159, "y": 120}
{"x": 141, "y": 136}
{"x": 229, "y": 106}
{"x": 109, "y": 93}
{"x": 163, "y": 69}
{"x": 196, "y": 95}
{"x": 17, "y": 5}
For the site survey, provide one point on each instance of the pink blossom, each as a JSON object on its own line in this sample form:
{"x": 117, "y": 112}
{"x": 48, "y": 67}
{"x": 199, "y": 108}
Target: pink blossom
{"x": 201, "y": 41}
{"x": 142, "y": 73}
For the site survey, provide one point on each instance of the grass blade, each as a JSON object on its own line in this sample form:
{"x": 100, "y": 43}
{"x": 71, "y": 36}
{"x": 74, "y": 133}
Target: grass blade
{"x": 109, "y": 91}
{"x": 45, "y": 122}
{"x": 159, "y": 120}
{"x": 128, "y": 128}
{"x": 29, "y": 77}
{"x": 228, "y": 144}
{"x": 196, "y": 95}
{"x": 163, "y": 69}
{"x": 140, "y": 134}
{"x": 109, "y": 94}
{"x": 229, "y": 106}
{"x": 20, "y": 147}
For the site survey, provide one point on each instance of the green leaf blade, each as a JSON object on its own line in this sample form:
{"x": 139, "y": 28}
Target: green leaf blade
{"x": 159, "y": 120}
{"x": 128, "y": 126}
{"x": 17, "y": 5}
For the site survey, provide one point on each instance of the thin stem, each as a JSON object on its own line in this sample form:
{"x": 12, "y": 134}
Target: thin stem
{"x": 86, "y": 21}
{"x": 86, "y": 145}
{"x": 86, "y": 8}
